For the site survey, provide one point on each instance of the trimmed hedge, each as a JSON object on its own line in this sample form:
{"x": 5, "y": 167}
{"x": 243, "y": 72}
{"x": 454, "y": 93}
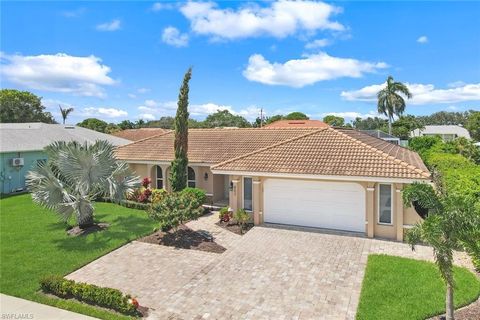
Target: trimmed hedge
{"x": 128, "y": 203}
{"x": 91, "y": 294}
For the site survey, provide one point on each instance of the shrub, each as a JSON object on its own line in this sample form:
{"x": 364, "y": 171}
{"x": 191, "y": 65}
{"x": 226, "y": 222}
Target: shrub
{"x": 103, "y": 297}
{"x": 146, "y": 182}
{"x": 224, "y": 214}
{"x": 174, "y": 209}
{"x": 242, "y": 217}
{"x": 198, "y": 194}
{"x": 157, "y": 195}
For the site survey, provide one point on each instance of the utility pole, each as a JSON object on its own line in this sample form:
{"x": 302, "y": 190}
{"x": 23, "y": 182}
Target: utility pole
{"x": 261, "y": 117}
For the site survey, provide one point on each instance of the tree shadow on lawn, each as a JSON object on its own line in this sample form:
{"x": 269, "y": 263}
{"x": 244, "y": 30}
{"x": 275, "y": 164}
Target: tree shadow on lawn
{"x": 122, "y": 229}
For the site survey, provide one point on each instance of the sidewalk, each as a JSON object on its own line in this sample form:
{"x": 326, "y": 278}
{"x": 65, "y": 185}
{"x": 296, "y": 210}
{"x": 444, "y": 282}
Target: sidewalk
{"x": 16, "y": 308}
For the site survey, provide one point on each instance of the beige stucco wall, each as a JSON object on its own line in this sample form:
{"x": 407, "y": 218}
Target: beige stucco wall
{"x": 400, "y": 215}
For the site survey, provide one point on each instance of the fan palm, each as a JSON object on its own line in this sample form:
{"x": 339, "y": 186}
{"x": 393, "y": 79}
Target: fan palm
{"x": 65, "y": 113}
{"x": 451, "y": 224}
{"x": 390, "y": 102}
{"x": 75, "y": 175}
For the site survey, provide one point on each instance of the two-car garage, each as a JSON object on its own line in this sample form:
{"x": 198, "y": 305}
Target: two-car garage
{"x": 320, "y": 204}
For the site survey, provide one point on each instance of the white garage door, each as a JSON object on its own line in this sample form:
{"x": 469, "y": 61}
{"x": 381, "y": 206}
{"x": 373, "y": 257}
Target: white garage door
{"x": 332, "y": 205}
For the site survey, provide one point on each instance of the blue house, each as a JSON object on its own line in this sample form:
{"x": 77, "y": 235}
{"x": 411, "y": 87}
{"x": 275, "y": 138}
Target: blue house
{"x": 22, "y": 144}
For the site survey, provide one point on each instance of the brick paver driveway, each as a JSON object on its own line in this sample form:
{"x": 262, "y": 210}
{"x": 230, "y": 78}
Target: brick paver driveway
{"x": 269, "y": 273}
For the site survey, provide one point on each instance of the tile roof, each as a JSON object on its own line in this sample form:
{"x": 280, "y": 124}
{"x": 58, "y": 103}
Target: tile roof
{"x": 16, "y": 137}
{"x": 332, "y": 151}
{"x": 138, "y": 134}
{"x": 297, "y": 124}
{"x": 208, "y": 145}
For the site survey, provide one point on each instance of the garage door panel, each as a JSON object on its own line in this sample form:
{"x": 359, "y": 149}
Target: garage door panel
{"x": 334, "y": 205}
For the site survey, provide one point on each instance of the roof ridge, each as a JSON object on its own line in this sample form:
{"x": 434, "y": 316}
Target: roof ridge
{"x": 387, "y": 156}
{"x": 269, "y": 147}
{"x": 141, "y": 140}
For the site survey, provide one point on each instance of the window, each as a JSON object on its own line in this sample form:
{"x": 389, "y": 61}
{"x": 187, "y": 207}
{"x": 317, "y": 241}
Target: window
{"x": 190, "y": 178}
{"x": 159, "y": 179}
{"x": 385, "y": 203}
{"x": 247, "y": 194}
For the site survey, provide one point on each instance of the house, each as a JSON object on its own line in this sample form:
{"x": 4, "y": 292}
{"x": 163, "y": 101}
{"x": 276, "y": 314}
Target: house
{"x": 382, "y": 135}
{"x": 327, "y": 177}
{"x": 447, "y": 132}
{"x": 297, "y": 124}
{"x": 22, "y": 144}
{"x": 138, "y": 134}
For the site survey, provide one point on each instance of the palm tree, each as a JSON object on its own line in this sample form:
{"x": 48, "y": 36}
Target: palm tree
{"x": 65, "y": 113}
{"x": 76, "y": 174}
{"x": 451, "y": 224}
{"x": 390, "y": 102}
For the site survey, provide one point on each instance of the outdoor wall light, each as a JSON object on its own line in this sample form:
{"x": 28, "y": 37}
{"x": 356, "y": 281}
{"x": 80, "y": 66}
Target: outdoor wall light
{"x": 205, "y": 176}
{"x": 231, "y": 185}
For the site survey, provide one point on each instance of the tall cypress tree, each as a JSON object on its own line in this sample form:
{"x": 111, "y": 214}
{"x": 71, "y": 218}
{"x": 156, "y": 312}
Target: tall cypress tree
{"x": 178, "y": 175}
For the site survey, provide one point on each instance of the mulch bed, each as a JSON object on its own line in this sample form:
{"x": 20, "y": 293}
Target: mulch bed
{"x": 234, "y": 227}
{"x": 77, "y": 231}
{"x": 184, "y": 238}
{"x": 472, "y": 311}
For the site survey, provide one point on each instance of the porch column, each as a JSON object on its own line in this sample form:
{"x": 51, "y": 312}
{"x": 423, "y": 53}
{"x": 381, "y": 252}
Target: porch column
{"x": 370, "y": 210}
{"x": 257, "y": 194}
{"x": 399, "y": 211}
{"x": 165, "y": 175}
{"x": 234, "y": 194}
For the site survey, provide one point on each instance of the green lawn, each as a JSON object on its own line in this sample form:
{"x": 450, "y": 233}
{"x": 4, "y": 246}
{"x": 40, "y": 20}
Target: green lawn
{"x": 34, "y": 243}
{"x": 400, "y": 288}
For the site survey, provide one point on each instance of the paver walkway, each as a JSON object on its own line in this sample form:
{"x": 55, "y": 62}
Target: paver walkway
{"x": 222, "y": 236}
{"x": 269, "y": 273}
{"x": 16, "y": 308}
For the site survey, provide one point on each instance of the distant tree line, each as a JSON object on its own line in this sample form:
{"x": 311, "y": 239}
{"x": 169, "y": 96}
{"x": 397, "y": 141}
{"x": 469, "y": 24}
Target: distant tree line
{"x": 23, "y": 106}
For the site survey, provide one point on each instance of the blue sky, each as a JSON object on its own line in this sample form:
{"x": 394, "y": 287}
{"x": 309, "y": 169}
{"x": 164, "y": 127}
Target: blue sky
{"x": 126, "y": 60}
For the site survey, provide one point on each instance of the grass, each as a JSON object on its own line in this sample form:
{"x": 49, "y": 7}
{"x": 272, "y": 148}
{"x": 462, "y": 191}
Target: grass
{"x": 34, "y": 243}
{"x": 400, "y": 288}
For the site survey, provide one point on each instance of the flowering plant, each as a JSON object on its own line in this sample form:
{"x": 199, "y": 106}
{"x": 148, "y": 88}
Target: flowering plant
{"x": 146, "y": 182}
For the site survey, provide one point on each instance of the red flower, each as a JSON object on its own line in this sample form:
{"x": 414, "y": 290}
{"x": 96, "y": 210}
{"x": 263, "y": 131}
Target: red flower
{"x": 134, "y": 302}
{"x": 146, "y": 182}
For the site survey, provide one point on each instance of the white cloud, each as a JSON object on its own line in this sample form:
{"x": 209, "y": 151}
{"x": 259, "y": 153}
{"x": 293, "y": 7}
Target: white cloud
{"x": 104, "y": 112}
{"x": 143, "y": 90}
{"x": 158, "y": 6}
{"x": 158, "y": 109}
{"x": 57, "y": 73}
{"x": 132, "y": 95}
{"x": 173, "y": 37}
{"x": 422, "y": 39}
{"x": 113, "y": 25}
{"x": 422, "y": 93}
{"x": 74, "y": 13}
{"x": 318, "y": 43}
{"x": 308, "y": 70}
{"x": 146, "y": 116}
{"x": 280, "y": 19}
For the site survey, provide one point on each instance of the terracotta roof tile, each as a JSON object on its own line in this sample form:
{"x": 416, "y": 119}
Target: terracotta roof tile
{"x": 332, "y": 151}
{"x": 297, "y": 124}
{"x": 139, "y": 134}
{"x": 208, "y": 145}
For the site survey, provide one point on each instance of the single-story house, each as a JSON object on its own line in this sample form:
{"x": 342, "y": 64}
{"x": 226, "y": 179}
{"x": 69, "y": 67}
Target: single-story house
{"x": 447, "y": 132}
{"x": 382, "y": 135}
{"x": 138, "y": 134}
{"x": 22, "y": 144}
{"x": 316, "y": 177}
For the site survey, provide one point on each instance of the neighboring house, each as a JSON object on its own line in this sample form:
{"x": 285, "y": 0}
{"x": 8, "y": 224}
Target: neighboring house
{"x": 21, "y": 147}
{"x": 382, "y": 135}
{"x": 139, "y": 134}
{"x": 447, "y": 133}
{"x": 297, "y": 124}
{"x": 318, "y": 177}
